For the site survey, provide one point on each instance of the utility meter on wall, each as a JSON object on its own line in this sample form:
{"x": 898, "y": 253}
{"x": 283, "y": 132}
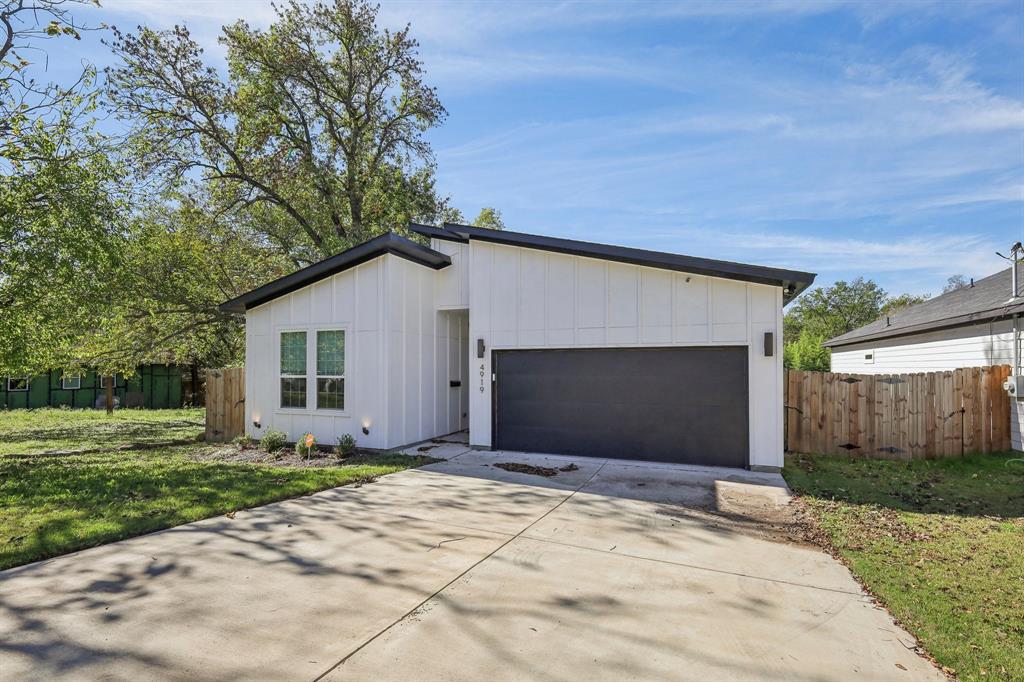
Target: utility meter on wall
{"x": 1015, "y": 386}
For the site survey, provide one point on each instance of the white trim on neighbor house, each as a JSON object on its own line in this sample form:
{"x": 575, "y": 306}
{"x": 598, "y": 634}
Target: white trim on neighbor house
{"x": 978, "y": 345}
{"x": 11, "y": 380}
{"x": 411, "y": 333}
{"x": 71, "y": 383}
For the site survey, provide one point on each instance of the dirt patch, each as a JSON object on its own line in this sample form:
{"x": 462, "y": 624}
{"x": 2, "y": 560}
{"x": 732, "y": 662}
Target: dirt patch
{"x": 546, "y": 472}
{"x": 518, "y": 468}
{"x": 153, "y": 445}
{"x": 747, "y": 510}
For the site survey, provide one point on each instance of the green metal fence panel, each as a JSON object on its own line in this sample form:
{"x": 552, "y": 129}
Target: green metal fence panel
{"x": 151, "y": 386}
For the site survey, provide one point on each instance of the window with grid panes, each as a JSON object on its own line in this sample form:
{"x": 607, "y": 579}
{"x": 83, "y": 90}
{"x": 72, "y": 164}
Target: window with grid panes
{"x": 330, "y": 369}
{"x": 293, "y": 369}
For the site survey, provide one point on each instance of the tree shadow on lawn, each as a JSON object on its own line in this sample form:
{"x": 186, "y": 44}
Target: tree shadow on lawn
{"x": 92, "y": 500}
{"x": 92, "y": 433}
{"x": 972, "y": 485}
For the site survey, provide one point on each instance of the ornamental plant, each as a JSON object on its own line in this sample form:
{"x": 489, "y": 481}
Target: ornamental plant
{"x": 306, "y": 445}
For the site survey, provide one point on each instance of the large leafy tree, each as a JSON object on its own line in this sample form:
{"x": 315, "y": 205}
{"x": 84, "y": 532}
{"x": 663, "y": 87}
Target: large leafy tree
{"x": 827, "y": 312}
{"x": 61, "y": 232}
{"x": 316, "y": 132}
{"x": 894, "y": 303}
{"x": 830, "y": 311}
{"x": 489, "y": 217}
{"x": 955, "y": 282}
{"x": 183, "y": 260}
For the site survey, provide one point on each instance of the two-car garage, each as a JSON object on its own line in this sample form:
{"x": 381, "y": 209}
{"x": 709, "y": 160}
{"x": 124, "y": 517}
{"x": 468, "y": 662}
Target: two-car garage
{"x": 667, "y": 404}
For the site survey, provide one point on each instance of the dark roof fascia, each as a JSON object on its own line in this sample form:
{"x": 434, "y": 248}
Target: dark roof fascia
{"x": 935, "y": 325}
{"x": 437, "y": 233}
{"x": 389, "y": 243}
{"x": 656, "y": 259}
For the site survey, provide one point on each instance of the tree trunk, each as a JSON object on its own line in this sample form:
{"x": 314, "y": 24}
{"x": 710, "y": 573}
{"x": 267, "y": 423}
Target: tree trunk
{"x": 194, "y": 372}
{"x": 110, "y": 395}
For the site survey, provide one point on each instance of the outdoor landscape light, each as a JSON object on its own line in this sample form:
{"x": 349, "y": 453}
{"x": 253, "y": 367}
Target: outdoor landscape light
{"x": 256, "y": 420}
{"x": 366, "y": 430}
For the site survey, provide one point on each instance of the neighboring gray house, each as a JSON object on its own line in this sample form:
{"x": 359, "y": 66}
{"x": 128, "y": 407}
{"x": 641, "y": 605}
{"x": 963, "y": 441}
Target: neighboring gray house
{"x": 529, "y": 342}
{"x": 969, "y": 327}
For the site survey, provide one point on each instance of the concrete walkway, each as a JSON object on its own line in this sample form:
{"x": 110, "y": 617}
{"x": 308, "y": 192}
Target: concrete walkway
{"x": 462, "y": 570}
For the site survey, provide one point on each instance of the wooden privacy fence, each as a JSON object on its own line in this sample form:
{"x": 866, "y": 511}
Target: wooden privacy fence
{"x": 225, "y": 404}
{"x": 898, "y": 416}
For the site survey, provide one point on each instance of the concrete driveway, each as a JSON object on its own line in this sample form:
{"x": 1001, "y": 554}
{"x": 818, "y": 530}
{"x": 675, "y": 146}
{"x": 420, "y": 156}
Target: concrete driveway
{"x": 462, "y": 570}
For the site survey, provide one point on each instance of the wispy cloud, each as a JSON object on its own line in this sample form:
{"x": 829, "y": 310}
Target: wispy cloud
{"x": 842, "y": 137}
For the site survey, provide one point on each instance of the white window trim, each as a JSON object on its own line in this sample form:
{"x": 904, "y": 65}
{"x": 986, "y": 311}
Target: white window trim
{"x": 64, "y": 382}
{"x": 27, "y": 381}
{"x": 282, "y": 375}
{"x": 311, "y": 376}
{"x": 317, "y": 376}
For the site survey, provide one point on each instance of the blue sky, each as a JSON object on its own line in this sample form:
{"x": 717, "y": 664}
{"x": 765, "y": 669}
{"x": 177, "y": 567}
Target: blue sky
{"x": 884, "y": 140}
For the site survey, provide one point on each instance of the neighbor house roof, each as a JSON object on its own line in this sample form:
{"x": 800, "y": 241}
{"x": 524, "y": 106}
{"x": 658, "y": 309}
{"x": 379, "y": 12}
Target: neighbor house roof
{"x": 987, "y": 299}
{"x": 386, "y": 243}
{"x": 792, "y": 281}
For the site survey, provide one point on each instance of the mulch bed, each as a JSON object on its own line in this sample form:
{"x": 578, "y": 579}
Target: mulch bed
{"x": 285, "y": 457}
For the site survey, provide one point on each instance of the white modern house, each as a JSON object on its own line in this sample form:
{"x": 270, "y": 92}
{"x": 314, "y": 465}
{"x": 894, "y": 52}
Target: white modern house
{"x": 531, "y": 343}
{"x": 969, "y": 327}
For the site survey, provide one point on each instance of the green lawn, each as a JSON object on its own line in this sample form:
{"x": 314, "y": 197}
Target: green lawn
{"x": 941, "y": 542}
{"x": 53, "y": 505}
{"x": 34, "y": 431}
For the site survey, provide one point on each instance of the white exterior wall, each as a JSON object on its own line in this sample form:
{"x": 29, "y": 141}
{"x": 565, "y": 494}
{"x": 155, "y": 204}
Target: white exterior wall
{"x": 1016, "y": 424}
{"x": 411, "y": 330}
{"x": 426, "y": 350}
{"x": 400, "y": 354}
{"x": 452, "y": 281}
{"x": 527, "y": 298}
{"x": 352, "y": 300}
{"x": 979, "y": 345}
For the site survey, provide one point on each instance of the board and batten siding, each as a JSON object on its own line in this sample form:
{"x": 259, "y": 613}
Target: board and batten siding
{"x": 453, "y": 281}
{"x": 978, "y": 345}
{"x": 398, "y": 355}
{"x": 528, "y": 298}
{"x": 427, "y": 349}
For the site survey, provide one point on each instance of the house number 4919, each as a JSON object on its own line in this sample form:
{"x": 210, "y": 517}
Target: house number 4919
{"x": 483, "y": 373}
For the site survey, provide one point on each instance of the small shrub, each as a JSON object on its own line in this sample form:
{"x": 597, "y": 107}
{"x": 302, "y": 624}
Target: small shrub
{"x": 244, "y": 442}
{"x": 346, "y": 445}
{"x": 306, "y": 446}
{"x": 273, "y": 441}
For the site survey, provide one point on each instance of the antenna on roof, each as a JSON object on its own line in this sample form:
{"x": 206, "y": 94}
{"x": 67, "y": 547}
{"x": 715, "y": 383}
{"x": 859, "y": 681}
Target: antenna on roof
{"x": 1015, "y": 253}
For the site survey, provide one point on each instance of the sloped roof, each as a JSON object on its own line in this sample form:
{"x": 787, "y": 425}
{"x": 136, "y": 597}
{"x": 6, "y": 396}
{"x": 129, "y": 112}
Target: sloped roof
{"x": 792, "y": 281}
{"x": 986, "y": 299}
{"x": 378, "y": 246}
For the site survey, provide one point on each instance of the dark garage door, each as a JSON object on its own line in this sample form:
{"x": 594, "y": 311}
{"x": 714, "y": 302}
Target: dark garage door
{"x": 661, "y": 404}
